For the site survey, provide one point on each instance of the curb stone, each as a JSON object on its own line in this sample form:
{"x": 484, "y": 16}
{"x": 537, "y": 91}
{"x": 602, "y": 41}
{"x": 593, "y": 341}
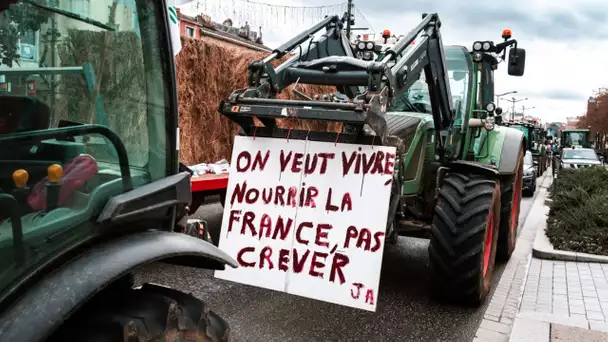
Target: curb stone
{"x": 539, "y": 327}
{"x": 505, "y": 301}
{"x": 543, "y": 249}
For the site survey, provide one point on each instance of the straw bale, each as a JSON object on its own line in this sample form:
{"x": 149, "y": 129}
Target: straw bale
{"x": 209, "y": 70}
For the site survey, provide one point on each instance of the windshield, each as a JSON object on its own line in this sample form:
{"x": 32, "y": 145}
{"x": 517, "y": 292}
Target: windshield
{"x": 575, "y": 138}
{"x": 528, "y": 161}
{"x": 579, "y": 154}
{"x": 417, "y": 98}
{"x": 80, "y": 85}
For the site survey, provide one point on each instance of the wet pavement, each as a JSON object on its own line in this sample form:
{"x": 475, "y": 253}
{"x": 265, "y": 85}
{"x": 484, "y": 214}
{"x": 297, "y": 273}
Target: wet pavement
{"x": 405, "y": 311}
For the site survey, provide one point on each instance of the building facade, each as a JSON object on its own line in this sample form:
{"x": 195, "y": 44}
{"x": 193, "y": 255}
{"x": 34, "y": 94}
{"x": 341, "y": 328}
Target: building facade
{"x": 202, "y": 26}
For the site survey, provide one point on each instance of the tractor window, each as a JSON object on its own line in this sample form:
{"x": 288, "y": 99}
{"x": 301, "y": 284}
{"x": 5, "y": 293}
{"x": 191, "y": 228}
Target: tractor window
{"x": 417, "y": 98}
{"x": 575, "y": 138}
{"x": 82, "y": 118}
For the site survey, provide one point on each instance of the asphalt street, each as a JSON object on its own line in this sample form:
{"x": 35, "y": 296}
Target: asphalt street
{"x": 404, "y": 312}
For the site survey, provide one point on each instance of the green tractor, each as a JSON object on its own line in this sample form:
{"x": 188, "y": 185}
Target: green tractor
{"x": 534, "y": 141}
{"x": 458, "y": 176}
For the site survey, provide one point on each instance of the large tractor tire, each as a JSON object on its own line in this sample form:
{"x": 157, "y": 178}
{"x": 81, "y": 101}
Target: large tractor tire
{"x": 464, "y": 236}
{"x": 510, "y": 204}
{"x": 150, "y": 313}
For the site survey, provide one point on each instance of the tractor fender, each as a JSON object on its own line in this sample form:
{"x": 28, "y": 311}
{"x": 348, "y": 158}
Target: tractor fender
{"x": 464, "y": 166}
{"x": 508, "y": 156}
{"x": 45, "y": 306}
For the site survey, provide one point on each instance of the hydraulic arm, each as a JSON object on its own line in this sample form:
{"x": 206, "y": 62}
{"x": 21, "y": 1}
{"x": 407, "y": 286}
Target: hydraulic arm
{"x": 370, "y": 86}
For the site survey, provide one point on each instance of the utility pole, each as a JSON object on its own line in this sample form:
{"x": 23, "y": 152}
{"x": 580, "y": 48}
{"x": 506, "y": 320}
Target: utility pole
{"x": 498, "y": 96}
{"x": 513, "y": 101}
{"x": 523, "y": 109}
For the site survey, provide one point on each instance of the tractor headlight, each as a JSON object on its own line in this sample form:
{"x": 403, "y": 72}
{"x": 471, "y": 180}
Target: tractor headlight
{"x": 361, "y": 45}
{"x": 486, "y": 46}
{"x": 368, "y": 56}
{"x": 477, "y": 46}
{"x": 370, "y": 45}
{"x": 490, "y": 107}
{"x": 489, "y": 123}
{"x": 477, "y": 57}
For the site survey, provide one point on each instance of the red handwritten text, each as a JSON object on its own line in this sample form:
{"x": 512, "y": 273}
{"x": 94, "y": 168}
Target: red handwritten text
{"x": 278, "y": 195}
{"x": 245, "y": 163}
{"x": 298, "y": 162}
{"x": 362, "y": 238}
{"x": 362, "y": 163}
{"x": 355, "y": 293}
{"x": 297, "y": 260}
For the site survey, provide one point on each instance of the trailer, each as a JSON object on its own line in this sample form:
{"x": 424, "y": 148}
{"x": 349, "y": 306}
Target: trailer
{"x": 207, "y": 185}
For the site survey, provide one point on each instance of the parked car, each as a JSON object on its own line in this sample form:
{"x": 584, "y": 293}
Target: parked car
{"x": 577, "y": 158}
{"x": 529, "y": 186}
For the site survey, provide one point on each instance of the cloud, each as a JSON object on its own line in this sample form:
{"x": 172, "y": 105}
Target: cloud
{"x": 555, "y": 24}
{"x": 558, "y": 95}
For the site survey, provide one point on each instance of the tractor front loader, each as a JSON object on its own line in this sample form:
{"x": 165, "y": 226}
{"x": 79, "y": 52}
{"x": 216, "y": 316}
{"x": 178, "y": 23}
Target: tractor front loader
{"x": 85, "y": 202}
{"x": 458, "y": 177}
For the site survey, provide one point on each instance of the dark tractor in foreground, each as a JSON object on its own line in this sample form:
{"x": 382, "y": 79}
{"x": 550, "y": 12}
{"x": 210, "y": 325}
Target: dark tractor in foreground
{"x": 458, "y": 177}
{"x": 84, "y": 204}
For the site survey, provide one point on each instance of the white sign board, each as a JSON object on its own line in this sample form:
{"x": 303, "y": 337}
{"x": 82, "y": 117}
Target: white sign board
{"x": 308, "y": 218}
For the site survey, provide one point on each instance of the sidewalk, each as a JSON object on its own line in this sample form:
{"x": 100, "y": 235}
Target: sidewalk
{"x": 546, "y": 300}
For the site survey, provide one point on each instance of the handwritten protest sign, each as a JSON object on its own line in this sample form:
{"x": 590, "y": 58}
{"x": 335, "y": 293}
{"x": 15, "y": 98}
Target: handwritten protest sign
{"x": 308, "y": 218}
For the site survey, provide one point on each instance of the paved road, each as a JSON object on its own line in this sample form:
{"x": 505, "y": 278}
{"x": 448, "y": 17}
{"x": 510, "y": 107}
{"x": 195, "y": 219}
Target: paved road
{"x": 404, "y": 313}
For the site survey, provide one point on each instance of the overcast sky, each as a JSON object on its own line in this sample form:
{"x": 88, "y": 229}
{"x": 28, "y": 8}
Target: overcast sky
{"x": 566, "y": 43}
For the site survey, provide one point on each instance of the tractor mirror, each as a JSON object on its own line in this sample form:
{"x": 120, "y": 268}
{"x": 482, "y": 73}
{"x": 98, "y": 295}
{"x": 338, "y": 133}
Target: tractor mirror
{"x": 517, "y": 62}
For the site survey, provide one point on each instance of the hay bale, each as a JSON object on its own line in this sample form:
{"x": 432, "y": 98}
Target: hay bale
{"x": 209, "y": 70}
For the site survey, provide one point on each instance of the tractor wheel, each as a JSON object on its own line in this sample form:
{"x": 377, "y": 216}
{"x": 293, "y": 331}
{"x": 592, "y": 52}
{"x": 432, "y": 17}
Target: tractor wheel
{"x": 464, "y": 233}
{"x": 510, "y": 200}
{"x": 150, "y": 313}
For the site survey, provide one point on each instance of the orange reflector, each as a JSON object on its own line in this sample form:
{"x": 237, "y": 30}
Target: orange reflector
{"x": 55, "y": 172}
{"x": 20, "y": 178}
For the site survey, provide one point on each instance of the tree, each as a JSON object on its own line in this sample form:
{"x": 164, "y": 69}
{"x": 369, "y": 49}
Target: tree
{"x": 596, "y": 117}
{"x": 16, "y": 20}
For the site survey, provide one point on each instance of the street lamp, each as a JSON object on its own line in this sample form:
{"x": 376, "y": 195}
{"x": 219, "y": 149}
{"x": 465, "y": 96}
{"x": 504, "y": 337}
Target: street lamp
{"x": 513, "y": 101}
{"x": 498, "y": 96}
{"x": 523, "y": 109}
